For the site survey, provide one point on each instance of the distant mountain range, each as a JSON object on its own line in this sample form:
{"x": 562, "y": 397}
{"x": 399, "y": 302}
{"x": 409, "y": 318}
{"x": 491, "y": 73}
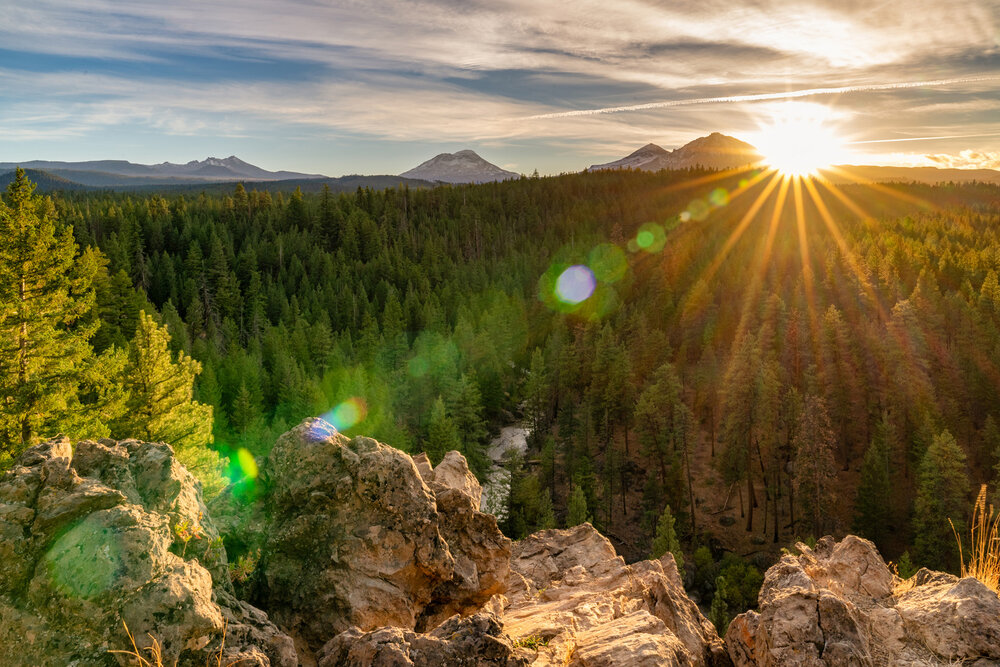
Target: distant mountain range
{"x": 116, "y": 173}
{"x": 461, "y": 167}
{"x": 716, "y": 151}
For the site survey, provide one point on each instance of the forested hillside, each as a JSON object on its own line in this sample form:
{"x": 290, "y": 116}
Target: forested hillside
{"x": 823, "y": 359}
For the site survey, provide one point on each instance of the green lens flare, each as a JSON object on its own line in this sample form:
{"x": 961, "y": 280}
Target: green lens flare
{"x": 608, "y": 263}
{"x": 247, "y": 464}
{"x": 651, "y": 237}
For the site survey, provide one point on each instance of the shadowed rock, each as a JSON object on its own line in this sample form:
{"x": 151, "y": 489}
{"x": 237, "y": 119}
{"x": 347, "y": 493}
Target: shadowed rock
{"x": 474, "y": 640}
{"x": 106, "y": 532}
{"x": 352, "y": 535}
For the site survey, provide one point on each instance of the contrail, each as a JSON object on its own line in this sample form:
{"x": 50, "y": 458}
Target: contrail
{"x": 760, "y": 96}
{"x": 947, "y": 136}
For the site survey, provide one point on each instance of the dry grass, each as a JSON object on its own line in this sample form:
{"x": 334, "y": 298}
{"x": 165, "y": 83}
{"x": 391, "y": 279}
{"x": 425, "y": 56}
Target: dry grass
{"x": 984, "y": 553}
{"x": 155, "y": 651}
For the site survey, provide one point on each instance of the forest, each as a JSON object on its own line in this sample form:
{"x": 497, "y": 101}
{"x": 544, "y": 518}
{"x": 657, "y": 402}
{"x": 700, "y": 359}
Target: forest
{"x": 711, "y": 363}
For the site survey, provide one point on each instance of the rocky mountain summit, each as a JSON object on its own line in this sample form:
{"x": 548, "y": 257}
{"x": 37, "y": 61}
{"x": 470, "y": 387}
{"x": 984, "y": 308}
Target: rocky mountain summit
{"x": 716, "y": 151}
{"x": 361, "y": 555}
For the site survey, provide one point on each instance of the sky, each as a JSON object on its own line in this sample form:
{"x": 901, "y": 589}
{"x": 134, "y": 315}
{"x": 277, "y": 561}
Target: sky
{"x": 377, "y": 86}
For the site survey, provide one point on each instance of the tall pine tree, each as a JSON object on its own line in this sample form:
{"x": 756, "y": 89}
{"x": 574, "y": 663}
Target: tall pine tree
{"x": 942, "y": 494}
{"x": 45, "y": 298}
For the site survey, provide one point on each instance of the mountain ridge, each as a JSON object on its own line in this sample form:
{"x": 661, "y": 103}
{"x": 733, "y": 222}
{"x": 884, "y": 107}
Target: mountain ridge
{"x": 211, "y": 169}
{"x": 715, "y": 151}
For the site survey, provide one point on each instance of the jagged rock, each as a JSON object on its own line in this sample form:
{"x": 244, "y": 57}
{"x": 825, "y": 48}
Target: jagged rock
{"x": 111, "y": 532}
{"x": 474, "y": 640}
{"x": 453, "y": 472}
{"x": 839, "y": 604}
{"x": 573, "y": 595}
{"x": 352, "y": 535}
{"x": 481, "y": 552}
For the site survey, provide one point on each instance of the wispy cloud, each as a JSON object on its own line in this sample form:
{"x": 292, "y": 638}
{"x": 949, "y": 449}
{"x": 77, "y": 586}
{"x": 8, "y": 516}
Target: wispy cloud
{"x": 758, "y": 97}
{"x": 471, "y": 71}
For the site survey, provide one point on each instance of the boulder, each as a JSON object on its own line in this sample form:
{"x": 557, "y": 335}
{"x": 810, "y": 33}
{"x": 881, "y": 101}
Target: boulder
{"x": 104, "y": 535}
{"x": 838, "y": 604}
{"x": 352, "y": 535}
{"x": 574, "y": 601}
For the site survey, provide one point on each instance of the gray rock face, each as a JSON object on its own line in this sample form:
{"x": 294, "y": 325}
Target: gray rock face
{"x": 351, "y": 535}
{"x": 839, "y": 604}
{"x": 103, "y": 533}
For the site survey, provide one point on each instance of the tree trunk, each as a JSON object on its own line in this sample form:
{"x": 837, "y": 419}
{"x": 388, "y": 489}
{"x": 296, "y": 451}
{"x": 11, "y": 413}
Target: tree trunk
{"x": 687, "y": 464}
{"x": 711, "y": 424}
{"x": 777, "y": 507}
{"x": 751, "y": 500}
{"x": 22, "y": 361}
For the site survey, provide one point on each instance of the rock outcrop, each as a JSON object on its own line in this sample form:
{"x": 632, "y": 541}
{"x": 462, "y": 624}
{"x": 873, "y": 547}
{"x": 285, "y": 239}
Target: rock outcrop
{"x": 474, "y": 640}
{"x": 104, "y": 533}
{"x": 838, "y": 604}
{"x": 577, "y": 602}
{"x": 353, "y": 537}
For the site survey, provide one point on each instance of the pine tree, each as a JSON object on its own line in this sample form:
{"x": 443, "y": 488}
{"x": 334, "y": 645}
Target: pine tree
{"x": 536, "y": 390}
{"x": 576, "y": 509}
{"x": 442, "y": 437}
{"x": 45, "y": 300}
{"x": 546, "y": 513}
{"x": 161, "y": 406}
{"x": 815, "y": 469}
{"x": 871, "y": 507}
{"x": 666, "y": 539}
{"x": 942, "y": 494}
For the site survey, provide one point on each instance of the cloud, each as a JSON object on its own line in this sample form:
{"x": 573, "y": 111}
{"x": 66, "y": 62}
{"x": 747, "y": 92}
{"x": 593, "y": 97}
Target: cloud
{"x": 967, "y": 159}
{"x": 757, "y": 97}
{"x": 467, "y": 70}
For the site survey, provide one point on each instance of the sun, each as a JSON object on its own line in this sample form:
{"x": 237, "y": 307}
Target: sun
{"x": 799, "y": 140}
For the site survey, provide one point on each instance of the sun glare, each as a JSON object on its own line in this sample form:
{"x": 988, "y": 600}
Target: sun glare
{"x": 799, "y": 141}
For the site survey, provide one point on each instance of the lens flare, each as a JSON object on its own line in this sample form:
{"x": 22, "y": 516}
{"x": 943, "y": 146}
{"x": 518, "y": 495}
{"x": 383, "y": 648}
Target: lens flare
{"x": 418, "y": 366}
{"x": 719, "y": 197}
{"x": 575, "y": 284}
{"x": 651, "y": 237}
{"x": 347, "y": 414}
{"x": 246, "y": 463}
{"x": 699, "y": 209}
{"x": 608, "y": 263}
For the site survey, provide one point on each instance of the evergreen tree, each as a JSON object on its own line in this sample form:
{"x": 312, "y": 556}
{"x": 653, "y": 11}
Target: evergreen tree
{"x": 442, "y": 437}
{"x": 546, "y": 513}
{"x": 161, "y": 407}
{"x": 666, "y": 539}
{"x": 576, "y": 509}
{"x": 45, "y": 300}
{"x": 871, "y": 506}
{"x": 815, "y": 469}
{"x": 942, "y": 494}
